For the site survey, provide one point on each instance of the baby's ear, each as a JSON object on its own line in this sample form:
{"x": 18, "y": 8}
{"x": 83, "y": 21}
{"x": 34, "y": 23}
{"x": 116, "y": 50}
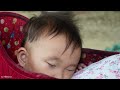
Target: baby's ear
{"x": 22, "y": 56}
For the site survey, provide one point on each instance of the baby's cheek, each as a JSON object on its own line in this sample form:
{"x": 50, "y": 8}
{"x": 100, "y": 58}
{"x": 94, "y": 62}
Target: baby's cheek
{"x": 41, "y": 68}
{"x": 68, "y": 74}
{"x": 29, "y": 64}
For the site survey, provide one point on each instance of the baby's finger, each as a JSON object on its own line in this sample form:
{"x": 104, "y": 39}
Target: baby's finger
{"x": 83, "y": 65}
{"x": 90, "y": 63}
{"x": 79, "y": 67}
{"x": 77, "y": 70}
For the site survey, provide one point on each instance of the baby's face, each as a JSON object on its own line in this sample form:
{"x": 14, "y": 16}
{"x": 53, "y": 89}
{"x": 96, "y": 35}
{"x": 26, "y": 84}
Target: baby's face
{"x": 45, "y": 56}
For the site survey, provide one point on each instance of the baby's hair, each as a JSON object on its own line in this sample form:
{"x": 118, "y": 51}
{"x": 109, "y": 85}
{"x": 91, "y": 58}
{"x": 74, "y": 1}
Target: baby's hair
{"x": 54, "y": 23}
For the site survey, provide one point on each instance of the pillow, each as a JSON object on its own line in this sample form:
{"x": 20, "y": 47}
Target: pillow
{"x": 107, "y": 68}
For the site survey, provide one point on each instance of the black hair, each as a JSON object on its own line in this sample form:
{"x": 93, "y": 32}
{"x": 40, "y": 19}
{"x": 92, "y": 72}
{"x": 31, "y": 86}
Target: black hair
{"x": 57, "y": 23}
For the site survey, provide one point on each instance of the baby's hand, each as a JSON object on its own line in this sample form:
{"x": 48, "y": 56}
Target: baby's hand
{"x": 81, "y": 66}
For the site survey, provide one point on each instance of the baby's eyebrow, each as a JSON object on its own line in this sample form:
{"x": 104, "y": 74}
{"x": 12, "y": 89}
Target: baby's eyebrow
{"x": 53, "y": 58}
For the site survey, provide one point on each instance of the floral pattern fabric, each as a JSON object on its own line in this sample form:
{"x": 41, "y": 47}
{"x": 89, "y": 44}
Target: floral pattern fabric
{"x": 107, "y": 68}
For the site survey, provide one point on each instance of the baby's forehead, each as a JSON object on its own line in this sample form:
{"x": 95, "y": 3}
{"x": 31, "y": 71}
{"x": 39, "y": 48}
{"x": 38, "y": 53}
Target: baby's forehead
{"x": 56, "y": 43}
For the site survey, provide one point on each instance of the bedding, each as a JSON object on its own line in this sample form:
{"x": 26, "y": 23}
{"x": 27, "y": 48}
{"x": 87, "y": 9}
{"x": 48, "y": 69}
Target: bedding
{"x": 107, "y": 68}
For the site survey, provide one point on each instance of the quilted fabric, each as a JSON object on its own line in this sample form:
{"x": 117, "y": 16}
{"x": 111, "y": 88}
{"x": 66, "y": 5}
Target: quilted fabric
{"x": 11, "y": 35}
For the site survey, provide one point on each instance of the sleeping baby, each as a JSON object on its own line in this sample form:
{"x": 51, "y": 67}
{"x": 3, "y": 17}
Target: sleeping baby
{"x": 52, "y": 45}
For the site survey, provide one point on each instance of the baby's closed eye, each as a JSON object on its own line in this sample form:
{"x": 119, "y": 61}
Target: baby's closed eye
{"x": 71, "y": 68}
{"x": 51, "y": 64}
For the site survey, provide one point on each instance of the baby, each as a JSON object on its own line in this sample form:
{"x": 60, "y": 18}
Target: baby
{"x": 52, "y": 45}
